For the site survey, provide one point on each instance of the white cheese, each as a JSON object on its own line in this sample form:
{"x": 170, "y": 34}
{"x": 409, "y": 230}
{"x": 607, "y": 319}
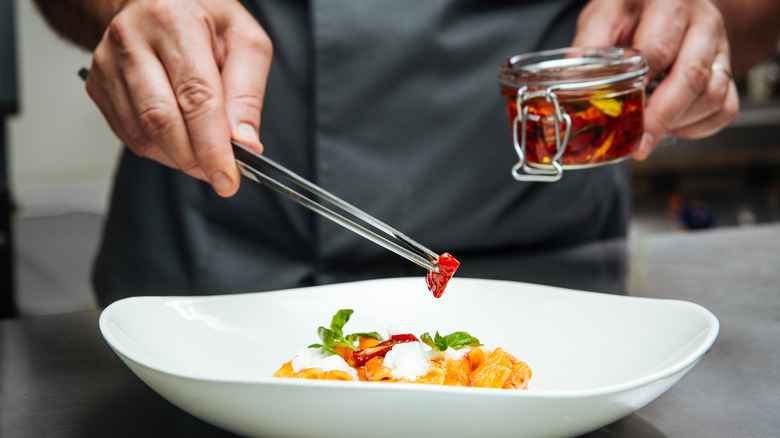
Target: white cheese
{"x": 451, "y": 353}
{"x": 407, "y": 360}
{"x": 398, "y": 328}
{"x": 447, "y": 354}
{"x": 317, "y": 358}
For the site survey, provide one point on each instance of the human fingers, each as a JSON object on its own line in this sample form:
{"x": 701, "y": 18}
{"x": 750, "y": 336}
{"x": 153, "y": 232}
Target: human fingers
{"x": 135, "y": 91}
{"x": 162, "y": 132}
{"x": 187, "y": 53}
{"x": 244, "y": 75}
{"x": 660, "y": 33}
{"x": 726, "y": 113}
{"x": 712, "y": 99}
{"x": 607, "y": 23}
{"x": 96, "y": 92}
{"x": 674, "y": 101}
{"x": 107, "y": 89}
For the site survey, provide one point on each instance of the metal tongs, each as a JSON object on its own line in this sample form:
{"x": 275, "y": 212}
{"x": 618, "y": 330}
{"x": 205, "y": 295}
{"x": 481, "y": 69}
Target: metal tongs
{"x": 256, "y": 167}
{"x": 259, "y": 168}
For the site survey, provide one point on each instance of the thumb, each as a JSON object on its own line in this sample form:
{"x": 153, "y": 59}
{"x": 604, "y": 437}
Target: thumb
{"x": 243, "y": 104}
{"x": 655, "y": 127}
{"x": 247, "y": 134}
{"x": 244, "y": 77}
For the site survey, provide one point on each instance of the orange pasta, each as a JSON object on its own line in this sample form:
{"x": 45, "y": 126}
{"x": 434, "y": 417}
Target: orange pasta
{"x": 490, "y": 375}
{"x": 434, "y": 376}
{"x": 376, "y": 371}
{"x": 338, "y": 375}
{"x": 285, "y": 371}
{"x": 457, "y": 371}
{"x": 314, "y": 373}
{"x": 521, "y": 374}
{"x": 345, "y": 354}
{"x": 364, "y": 342}
{"x": 476, "y": 357}
{"x": 311, "y": 373}
{"x": 453, "y": 360}
{"x": 494, "y": 369}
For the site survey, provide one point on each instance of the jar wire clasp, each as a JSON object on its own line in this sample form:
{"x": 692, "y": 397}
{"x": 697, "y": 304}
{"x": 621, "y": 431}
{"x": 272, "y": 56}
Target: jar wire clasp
{"x": 534, "y": 173}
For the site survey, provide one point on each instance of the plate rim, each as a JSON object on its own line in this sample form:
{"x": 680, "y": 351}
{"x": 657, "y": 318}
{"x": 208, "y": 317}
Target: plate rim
{"x": 686, "y": 363}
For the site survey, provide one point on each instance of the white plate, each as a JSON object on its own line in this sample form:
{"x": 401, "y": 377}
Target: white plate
{"x": 595, "y": 358}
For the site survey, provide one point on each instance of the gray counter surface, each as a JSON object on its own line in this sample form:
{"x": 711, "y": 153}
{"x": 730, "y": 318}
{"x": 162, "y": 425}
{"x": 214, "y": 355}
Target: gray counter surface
{"x": 59, "y": 378}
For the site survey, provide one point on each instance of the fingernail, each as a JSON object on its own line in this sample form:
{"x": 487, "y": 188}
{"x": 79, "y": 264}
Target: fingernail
{"x": 247, "y": 130}
{"x": 645, "y": 146}
{"x": 220, "y": 182}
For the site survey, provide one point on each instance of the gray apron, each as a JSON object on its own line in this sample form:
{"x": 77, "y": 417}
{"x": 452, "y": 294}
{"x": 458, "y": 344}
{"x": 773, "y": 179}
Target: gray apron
{"x": 391, "y": 105}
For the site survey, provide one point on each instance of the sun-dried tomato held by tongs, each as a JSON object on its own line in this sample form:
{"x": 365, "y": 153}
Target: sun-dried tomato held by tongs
{"x": 258, "y": 167}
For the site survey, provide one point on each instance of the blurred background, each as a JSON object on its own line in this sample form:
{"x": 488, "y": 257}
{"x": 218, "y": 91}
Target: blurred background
{"x": 57, "y": 157}
{"x": 730, "y": 179}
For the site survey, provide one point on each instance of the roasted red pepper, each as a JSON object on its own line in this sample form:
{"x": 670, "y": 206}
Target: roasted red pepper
{"x": 380, "y": 349}
{"x": 437, "y": 281}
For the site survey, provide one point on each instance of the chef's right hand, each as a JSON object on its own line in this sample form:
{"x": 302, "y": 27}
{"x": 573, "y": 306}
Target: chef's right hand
{"x": 176, "y": 79}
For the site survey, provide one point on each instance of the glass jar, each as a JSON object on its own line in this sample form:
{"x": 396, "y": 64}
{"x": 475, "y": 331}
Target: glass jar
{"x": 573, "y": 108}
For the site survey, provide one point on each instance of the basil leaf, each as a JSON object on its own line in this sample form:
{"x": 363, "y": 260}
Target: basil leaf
{"x": 334, "y": 336}
{"x": 456, "y": 341}
{"x": 460, "y": 340}
{"x": 339, "y": 319}
{"x": 326, "y": 336}
{"x": 426, "y": 338}
{"x": 331, "y": 338}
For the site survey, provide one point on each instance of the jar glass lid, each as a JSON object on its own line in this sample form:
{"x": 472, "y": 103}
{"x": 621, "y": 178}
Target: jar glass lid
{"x": 572, "y": 67}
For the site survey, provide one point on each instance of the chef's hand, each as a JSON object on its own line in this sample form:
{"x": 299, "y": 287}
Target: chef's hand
{"x": 176, "y": 79}
{"x": 684, "y": 39}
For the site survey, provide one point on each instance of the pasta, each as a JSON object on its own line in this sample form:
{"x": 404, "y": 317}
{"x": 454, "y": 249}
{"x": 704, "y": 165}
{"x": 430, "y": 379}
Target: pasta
{"x": 457, "y": 359}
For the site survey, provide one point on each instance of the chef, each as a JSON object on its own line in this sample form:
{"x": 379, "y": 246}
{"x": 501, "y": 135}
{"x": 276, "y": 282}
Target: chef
{"x": 392, "y": 105}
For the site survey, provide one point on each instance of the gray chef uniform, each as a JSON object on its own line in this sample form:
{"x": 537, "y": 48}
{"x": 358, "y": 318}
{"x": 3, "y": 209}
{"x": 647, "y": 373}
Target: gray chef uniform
{"x": 392, "y": 105}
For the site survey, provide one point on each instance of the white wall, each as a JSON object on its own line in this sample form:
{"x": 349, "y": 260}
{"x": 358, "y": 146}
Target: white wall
{"x": 62, "y": 153}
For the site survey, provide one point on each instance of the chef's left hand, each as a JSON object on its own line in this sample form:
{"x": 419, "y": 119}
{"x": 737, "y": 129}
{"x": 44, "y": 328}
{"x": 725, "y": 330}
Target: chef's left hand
{"x": 684, "y": 39}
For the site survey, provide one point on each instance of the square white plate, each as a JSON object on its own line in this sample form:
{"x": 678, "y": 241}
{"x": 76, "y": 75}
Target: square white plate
{"x": 595, "y": 357}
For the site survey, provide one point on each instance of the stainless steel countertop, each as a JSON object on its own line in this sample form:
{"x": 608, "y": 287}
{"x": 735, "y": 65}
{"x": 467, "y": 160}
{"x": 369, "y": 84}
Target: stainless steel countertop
{"x": 735, "y": 273}
{"x": 59, "y": 378}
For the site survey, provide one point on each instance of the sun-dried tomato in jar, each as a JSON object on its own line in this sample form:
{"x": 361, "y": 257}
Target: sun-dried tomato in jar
{"x": 572, "y": 108}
